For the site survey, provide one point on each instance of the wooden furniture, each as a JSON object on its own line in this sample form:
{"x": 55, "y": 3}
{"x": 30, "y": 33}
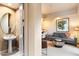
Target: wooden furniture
{"x": 44, "y": 46}
{"x": 77, "y": 45}
{"x": 44, "y": 43}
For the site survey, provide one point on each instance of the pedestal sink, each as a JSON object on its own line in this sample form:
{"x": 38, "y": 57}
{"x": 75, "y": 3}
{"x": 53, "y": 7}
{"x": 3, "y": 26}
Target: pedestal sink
{"x": 9, "y": 37}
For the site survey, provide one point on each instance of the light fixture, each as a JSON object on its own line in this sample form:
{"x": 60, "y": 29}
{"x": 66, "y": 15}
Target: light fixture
{"x": 58, "y": 18}
{"x": 21, "y": 7}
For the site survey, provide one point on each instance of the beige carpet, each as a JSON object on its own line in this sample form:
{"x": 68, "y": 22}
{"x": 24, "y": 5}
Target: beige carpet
{"x": 66, "y": 50}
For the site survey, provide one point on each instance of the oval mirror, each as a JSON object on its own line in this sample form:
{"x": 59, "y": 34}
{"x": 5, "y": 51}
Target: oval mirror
{"x": 5, "y": 23}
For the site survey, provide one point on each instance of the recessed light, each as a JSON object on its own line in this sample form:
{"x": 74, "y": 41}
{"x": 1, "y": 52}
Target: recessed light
{"x": 21, "y": 7}
{"x": 58, "y": 18}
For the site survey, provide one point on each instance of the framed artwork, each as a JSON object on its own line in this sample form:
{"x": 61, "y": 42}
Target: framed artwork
{"x": 62, "y": 24}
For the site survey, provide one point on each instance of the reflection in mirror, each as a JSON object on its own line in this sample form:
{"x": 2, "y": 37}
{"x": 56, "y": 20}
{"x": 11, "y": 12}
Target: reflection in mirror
{"x": 5, "y": 23}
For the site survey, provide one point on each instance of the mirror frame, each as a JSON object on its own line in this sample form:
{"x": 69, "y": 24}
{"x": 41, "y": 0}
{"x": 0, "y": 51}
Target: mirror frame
{"x": 9, "y": 29}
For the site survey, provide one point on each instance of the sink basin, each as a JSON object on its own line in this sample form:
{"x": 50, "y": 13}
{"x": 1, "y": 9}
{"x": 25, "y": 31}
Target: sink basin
{"x": 9, "y": 37}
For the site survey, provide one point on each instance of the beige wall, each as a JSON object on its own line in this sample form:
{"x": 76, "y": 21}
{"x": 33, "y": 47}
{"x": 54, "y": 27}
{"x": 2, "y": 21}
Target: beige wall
{"x": 49, "y": 22}
{"x": 33, "y": 29}
{"x": 19, "y": 27}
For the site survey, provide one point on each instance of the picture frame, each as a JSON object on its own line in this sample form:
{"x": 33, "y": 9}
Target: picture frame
{"x": 62, "y": 25}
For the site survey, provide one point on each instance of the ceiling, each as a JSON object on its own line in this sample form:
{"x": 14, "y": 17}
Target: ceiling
{"x": 48, "y": 8}
{"x": 11, "y": 5}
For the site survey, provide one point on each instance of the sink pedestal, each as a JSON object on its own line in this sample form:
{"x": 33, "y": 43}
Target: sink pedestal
{"x": 10, "y": 46}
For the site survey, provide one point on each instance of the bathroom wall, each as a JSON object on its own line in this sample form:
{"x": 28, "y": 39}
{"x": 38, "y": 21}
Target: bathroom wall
{"x": 19, "y": 28}
{"x": 4, "y": 10}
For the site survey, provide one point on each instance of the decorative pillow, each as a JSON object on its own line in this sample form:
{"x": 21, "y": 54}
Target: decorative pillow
{"x": 67, "y": 34}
